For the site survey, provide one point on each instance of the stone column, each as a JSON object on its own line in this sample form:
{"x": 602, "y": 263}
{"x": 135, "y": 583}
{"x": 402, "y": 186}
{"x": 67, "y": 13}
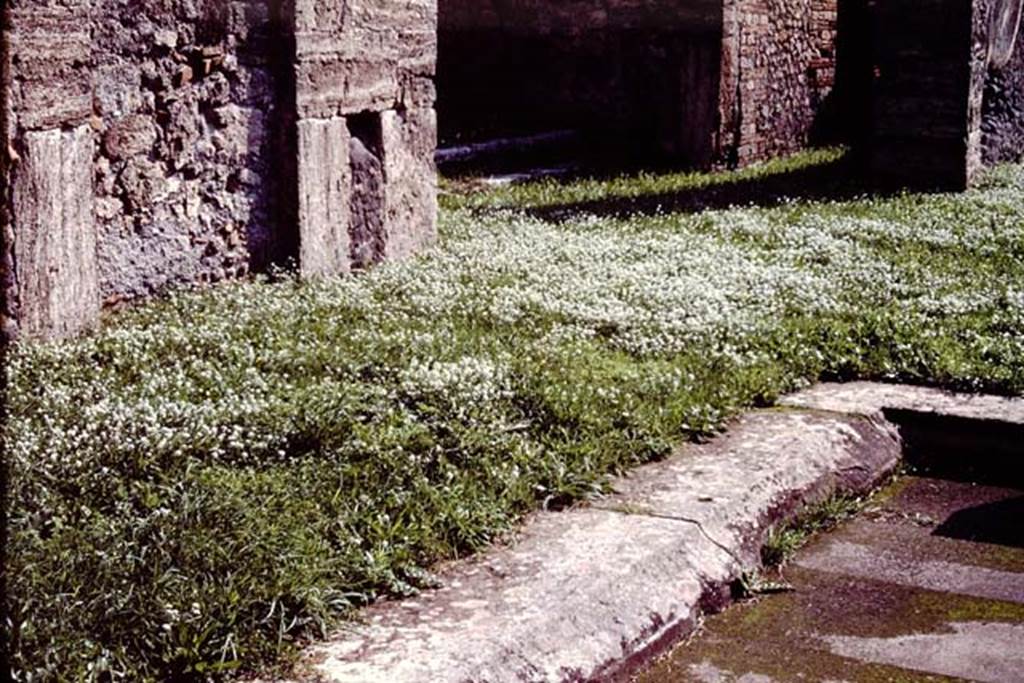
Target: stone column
{"x": 366, "y": 131}
{"x": 49, "y": 235}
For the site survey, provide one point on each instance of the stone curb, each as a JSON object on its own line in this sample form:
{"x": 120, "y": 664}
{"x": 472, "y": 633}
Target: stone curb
{"x": 594, "y": 592}
{"x": 871, "y": 398}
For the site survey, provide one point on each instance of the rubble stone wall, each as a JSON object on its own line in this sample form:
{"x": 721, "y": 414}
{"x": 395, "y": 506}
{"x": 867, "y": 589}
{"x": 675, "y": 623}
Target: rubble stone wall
{"x": 186, "y": 101}
{"x": 150, "y": 144}
{"x": 1003, "y": 114}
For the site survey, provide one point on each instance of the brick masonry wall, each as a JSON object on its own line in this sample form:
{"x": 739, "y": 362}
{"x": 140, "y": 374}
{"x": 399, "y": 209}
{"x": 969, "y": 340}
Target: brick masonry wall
{"x": 778, "y": 71}
{"x": 150, "y": 144}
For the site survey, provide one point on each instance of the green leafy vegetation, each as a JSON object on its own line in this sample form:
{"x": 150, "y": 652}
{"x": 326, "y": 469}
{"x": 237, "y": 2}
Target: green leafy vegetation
{"x": 209, "y": 479}
{"x": 783, "y": 542}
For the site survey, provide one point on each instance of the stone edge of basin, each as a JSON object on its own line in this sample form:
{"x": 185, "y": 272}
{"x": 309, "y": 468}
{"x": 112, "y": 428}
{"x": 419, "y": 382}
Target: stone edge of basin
{"x": 874, "y": 398}
{"x": 594, "y": 592}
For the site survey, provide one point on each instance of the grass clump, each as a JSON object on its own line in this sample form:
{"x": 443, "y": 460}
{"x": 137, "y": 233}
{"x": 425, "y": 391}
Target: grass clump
{"x": 209, "y": 479}
{"x": 784, "y": 541}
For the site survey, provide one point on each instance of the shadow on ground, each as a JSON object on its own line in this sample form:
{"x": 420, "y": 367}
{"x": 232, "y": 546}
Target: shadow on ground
{"x": 998, "y": 523}
{"x": 836, "y": 180}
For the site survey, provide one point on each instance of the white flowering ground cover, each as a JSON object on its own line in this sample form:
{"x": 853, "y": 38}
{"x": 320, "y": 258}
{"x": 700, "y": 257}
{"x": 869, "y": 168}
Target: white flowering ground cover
{"x": 210, "y": 478}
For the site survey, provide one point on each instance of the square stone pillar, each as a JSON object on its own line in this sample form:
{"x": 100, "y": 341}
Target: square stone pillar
{"x": 49, "y": 234}
{"x": 926, "y": 94}
{"x": 366, "y": 131}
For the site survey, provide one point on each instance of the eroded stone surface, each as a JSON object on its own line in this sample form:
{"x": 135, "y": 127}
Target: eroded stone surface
{"x": 370, "y": 64}
{"x": 56, "y": 241}
{"x": 409, "y": 138}
{"x": 549, "y": 608}
{"x": 221, "y": 137}
{"x": 587, "y": 592}
{"x": 869, "y": 398}
{"x": 325, "y": 186}
{"x": 766, "y": 467}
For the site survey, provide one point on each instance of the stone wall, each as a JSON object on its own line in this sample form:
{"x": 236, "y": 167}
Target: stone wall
{"x": 186, "y": 104}
{"x": 641, "y": 76}
{"x": 155, "y": 143}
{"x": 715, "y": 81}
{"x": 49, "y": 235}
{"x": 366, "y": 130}
{"x": 1003, "y": 114}
{"x": 778, "y": 71}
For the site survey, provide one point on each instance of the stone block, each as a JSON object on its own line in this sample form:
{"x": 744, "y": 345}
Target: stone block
{"x": 49, "y": 53}
{"x": 324, "y": 184}
{"x": 408, "y": 140}
{"x": 130, "y": 136}
{"x": 54, "y": 234}
{"x": 338, "y": 85}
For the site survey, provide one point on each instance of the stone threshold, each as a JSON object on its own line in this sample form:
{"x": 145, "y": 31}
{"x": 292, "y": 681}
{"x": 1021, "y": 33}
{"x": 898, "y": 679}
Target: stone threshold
{"x": 595, "y": 592}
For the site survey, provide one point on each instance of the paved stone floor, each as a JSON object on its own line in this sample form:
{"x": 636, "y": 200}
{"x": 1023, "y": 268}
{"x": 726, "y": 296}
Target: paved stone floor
{"x": 926, "y": 585}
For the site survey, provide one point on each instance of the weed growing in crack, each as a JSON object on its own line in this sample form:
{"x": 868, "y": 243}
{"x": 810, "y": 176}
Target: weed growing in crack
{"x": 784, "y": 541}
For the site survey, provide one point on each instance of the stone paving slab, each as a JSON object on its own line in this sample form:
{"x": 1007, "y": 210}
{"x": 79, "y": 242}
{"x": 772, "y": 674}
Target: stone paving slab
{"x": 867, "y": 561}
{"x": 989, "y": 653}
{"x": 592, "y": 592}
{"x": 863, "y": 609}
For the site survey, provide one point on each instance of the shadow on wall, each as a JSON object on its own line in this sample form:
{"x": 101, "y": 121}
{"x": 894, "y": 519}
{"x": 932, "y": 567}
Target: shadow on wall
{"x": 265, "y": 92}
{"x": 272, "y": 232}
{"x": 617, "y": 86}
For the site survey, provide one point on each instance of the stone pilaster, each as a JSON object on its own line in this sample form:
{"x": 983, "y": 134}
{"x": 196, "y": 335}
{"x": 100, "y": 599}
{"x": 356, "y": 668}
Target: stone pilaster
{"x": 367, "y": 131}
{"x": 926, "y": 101}
{"x": 49, "y": 247}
